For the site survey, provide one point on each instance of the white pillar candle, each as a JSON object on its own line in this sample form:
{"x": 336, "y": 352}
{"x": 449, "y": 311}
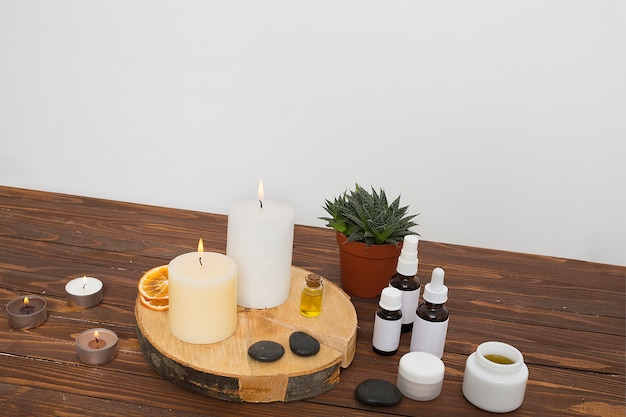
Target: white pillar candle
{"x": 202, "y": 297}
{"x": 260, "y": 240}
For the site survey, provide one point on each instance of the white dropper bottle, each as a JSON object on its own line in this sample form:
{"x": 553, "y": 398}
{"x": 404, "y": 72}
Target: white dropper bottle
{"x": 431, "y": 324}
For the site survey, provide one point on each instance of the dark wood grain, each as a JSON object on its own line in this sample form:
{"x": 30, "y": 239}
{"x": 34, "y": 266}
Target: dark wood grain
{"x": 566, "y": 316}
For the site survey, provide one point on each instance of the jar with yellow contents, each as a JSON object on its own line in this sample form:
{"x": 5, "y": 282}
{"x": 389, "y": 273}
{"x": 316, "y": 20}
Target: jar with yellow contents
{"x": 311, "y": 298}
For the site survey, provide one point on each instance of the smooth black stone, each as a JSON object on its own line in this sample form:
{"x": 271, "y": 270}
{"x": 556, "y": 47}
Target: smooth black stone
{"x": 378, "y": 393}
{"x": 266, "y": 351}
{"x": 303, "y": 344}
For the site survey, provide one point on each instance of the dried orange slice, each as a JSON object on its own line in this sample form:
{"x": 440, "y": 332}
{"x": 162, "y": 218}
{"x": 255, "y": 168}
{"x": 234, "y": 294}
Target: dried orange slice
{"x": 158, "y": 305}
{"x": 153, "y": 285}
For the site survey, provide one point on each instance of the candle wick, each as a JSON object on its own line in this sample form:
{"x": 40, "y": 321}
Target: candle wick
{"x": 84, "y": 285}
{"x": 27, "y": 309}
{"x": 96, "y": 342}
{"x": 200, "y": 259}
{"x": 261, "y": 203}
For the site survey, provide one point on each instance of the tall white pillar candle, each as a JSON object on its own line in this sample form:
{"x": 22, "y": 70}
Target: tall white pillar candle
{"x": 202, "y": 297}
{"x": 260, "y": 241}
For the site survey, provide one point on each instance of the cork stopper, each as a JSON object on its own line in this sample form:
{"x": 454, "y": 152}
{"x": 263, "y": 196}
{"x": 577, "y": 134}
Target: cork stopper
{"x": 313, "y": 280}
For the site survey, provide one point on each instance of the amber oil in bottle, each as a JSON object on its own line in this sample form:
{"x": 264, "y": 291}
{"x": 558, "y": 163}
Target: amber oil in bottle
{"x": 311, "y": 298}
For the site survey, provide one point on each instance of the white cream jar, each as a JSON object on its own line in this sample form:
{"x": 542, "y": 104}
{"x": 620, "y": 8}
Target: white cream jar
{"x": 495, "y": 377}
{"x": 420, "y": 376}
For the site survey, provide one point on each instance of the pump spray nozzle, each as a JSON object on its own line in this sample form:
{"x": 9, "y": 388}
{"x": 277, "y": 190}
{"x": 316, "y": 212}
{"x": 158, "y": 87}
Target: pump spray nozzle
{"x": 407, "y": 261}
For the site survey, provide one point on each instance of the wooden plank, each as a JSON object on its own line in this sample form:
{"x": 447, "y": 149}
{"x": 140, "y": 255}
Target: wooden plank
{"x": 607, "y": 291}
{"x": 566, "y": 316}
{"x": 567, "y": 391}
{"x": 43, "y": 262}
{"x": 540, "y": 345}
{"x": 158, "y": 392}
{"x": 18, "y": 401}
{"x": 119, "y": 386}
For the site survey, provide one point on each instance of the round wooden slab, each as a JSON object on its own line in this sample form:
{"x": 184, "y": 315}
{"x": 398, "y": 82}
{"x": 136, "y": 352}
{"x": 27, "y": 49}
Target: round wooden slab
{"x": 224, "y": 370}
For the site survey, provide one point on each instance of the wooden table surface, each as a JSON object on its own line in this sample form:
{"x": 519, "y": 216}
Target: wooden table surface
{"x": 565, "y": 316}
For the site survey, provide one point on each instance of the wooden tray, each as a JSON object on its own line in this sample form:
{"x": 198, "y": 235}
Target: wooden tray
{"x": 225, "y": 371}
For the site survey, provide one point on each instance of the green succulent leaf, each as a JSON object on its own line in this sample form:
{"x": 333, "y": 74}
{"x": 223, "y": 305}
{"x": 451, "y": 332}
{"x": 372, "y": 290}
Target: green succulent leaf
{"x": 366, "y": 216}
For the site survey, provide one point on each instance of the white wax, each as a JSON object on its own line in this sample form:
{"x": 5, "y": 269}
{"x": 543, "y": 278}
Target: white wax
{"x": 260, "y": 240}
{"x": 202, "y": 298}
{"x": 83, "y": 286}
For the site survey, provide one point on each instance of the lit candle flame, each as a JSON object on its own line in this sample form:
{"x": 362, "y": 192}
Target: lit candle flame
{"x": 95, "y": 336}
{"x": 260, "y": 194}
{"x": 200, "y": 250}
{"x": 26, "y": 305}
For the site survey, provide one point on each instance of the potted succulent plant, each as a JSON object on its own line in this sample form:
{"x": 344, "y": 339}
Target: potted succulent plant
{"x": 370, "y": 232}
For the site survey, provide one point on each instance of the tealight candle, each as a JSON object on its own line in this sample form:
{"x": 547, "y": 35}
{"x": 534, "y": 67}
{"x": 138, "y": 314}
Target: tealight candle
{"x": 27, "y": 312}
{"x": 96, "y": 346}
{"x": 84, "y": 292}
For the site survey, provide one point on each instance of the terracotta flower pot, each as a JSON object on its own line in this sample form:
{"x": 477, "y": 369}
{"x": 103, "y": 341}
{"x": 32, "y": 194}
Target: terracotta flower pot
{"x": 366, "y": 271}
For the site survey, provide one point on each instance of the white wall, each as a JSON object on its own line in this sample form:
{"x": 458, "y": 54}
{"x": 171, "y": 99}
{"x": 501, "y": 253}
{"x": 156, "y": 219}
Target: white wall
{"x": 502, "y": 122}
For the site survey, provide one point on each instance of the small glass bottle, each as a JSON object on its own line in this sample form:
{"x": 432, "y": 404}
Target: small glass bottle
{"x": 388, "y": 322}
{"x": 431, "y": 324}
{"x": 406, "y": 280}
{"x": 311, "y": 298}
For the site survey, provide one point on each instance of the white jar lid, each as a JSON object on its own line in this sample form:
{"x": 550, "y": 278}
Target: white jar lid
{"x": 421, "y": 368}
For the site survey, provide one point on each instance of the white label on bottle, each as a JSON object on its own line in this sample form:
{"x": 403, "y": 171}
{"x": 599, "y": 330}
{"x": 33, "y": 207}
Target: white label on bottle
{"x": 429, "y": 336}
{"x": 386, "y": 335}
{"x": 410, "y": 300}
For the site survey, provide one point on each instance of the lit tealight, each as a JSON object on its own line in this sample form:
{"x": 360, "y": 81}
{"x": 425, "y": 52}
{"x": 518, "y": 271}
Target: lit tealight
{"x": 96, "y": 346}
{"x": 26, "y": 313}
{"x": 84, "y": 292}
